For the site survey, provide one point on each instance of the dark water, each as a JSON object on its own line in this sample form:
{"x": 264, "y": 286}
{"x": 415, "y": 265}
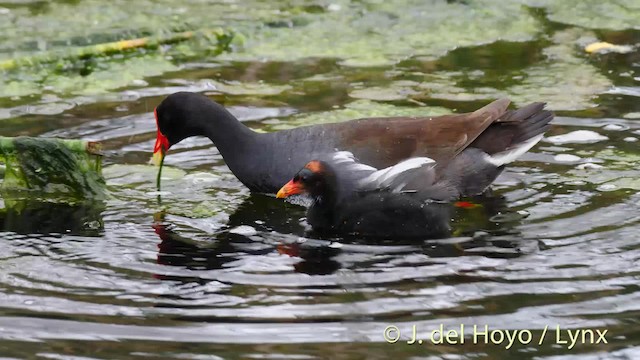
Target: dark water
{"x": 214, "y": 272}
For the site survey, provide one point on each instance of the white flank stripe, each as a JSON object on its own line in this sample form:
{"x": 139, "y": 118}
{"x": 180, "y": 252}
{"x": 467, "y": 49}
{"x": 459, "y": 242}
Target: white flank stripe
{"x": 511, "y": 155}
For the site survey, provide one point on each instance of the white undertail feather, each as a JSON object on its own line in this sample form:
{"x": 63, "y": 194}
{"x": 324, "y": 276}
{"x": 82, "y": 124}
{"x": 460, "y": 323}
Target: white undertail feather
{"x": 384, "y": 178}
{"x": 346, "y": 157}
{"x": 511, "y": 155}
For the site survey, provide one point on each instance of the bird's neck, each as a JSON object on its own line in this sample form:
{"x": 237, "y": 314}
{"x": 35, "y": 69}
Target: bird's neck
{"x": 321, "y": 218}
{"x": 326, "y": 201}
{"x": 322, "y": 213}
{"x": 237, "y": 143}
{"x": 225, "y": 130}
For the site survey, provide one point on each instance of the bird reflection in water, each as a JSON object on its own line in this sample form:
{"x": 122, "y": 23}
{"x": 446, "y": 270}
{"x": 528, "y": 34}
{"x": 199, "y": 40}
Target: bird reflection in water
{"x": 281, "y": 226}
{"x": 32, "y": 216}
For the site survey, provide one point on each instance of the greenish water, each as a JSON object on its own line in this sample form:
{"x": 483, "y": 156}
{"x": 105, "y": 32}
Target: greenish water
{"x": 214, "y": 272}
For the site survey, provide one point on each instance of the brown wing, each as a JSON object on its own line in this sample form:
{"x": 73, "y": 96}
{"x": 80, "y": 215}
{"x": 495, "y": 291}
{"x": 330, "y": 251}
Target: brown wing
{"x": 383, "y": 142}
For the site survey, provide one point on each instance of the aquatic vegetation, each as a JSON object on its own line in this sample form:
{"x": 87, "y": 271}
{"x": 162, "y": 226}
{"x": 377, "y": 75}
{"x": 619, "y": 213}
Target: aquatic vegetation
{"x": 565, "y": 80}
{"x": 575, "y": 81}
{"x": 189, "y": 194}
{"x": 116, "y": 47}
{"x": 150, "y": 38}
{"x": 355, "y": 110}
{"x": 240, "y": 88}
{"x": 51, "y": 167}
{"x": 592, "y": 14}
{"x": 376, "y": 33}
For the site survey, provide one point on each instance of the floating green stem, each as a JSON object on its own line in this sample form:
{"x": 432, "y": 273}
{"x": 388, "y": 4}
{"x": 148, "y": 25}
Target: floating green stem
{"x": 223, "y": 38}
{"x": 159, "y": 176}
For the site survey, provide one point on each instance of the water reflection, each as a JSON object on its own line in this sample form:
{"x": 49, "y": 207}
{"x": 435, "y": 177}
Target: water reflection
{"x": 246, "y": 235}
{"x": 33, "y": 216}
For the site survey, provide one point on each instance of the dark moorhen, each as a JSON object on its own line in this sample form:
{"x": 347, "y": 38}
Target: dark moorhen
{"x": 265, "y": 161}
{"x": 348, "y": 198}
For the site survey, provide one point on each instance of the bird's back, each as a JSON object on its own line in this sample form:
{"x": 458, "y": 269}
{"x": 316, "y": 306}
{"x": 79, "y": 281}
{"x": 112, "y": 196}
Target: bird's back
{"x": 384, "y": 214}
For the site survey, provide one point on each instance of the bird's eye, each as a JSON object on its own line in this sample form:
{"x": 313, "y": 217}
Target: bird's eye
{"x": 296, "y": 178}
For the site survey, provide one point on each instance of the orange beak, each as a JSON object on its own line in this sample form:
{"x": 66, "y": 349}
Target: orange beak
{"x": 162, "y": 144}
{"x": 290, "y": 188}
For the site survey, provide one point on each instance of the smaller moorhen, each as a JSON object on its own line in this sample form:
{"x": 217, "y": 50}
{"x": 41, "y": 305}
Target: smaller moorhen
{"x": 360, "y": 201}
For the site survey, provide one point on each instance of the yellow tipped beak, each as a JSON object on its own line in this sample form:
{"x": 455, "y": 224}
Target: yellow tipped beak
{"x": 157, "y": 158}
{"x": 290, "y": 188}
{"x": 282, "y": 193}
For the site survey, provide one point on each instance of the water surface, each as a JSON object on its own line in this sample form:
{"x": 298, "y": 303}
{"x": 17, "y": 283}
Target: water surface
{"x": 214, "y": 272}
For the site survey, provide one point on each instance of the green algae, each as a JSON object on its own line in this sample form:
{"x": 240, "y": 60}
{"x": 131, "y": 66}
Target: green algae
{"x": 376, "y": 33}
{"x": 618, "y": 159}
{"x": 612, "y": 179}
{"x": 62, "y": 25}
{"x": 361, "y": 34}
{"x": 400, "y": 90}
{"x": 18, "y": 88}
{"x": 94, "y": 47}
{"x": 593, "y": 14}
{"x": 247, "y": 88}
{"x": 565, "y": 80}
{"x": 103, "y": 79}
{"x": 355, "y": 110}
{"x": 368, "y": 33}
{"x": 87, "y": 77}
{"x": 219, "y": 36}
{"x": 188, "y": 194}
{"x": 617, "y": 170}
{"x": 134, "y": 175}
{"x": 575, "y": 82}
{"x": 52, "y": 167}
